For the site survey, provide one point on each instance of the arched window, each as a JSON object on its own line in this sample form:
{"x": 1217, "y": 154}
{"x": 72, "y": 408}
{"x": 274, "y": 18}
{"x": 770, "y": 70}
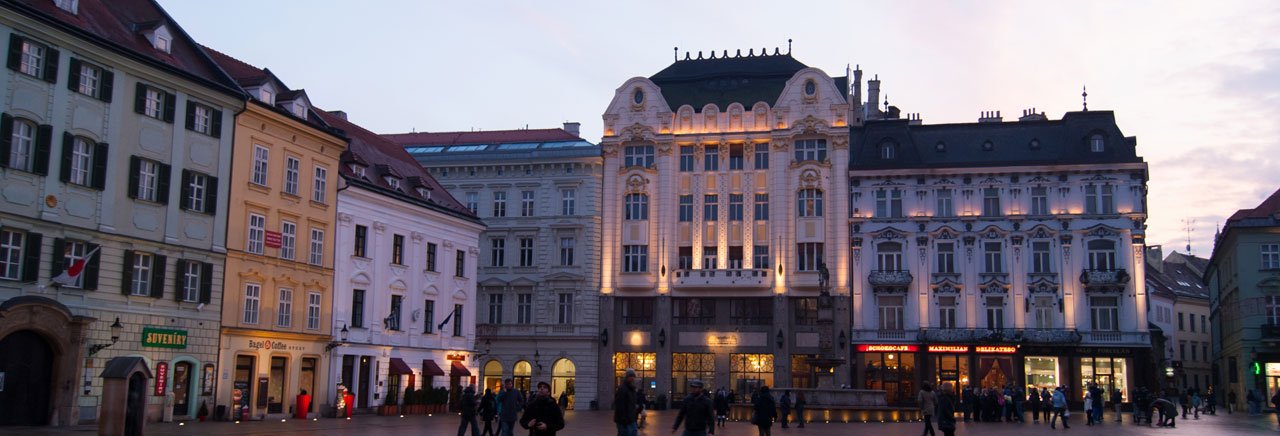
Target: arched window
{"x": 1102, "y": 255}
{"x": 521, "y": 375}
{"x": 888, "y": 151}
{"x": 563, "y": 380}
{"x": 809, "y": 203}
{"x": 1097, "y": 144}
{"x": 493, "y": 375}
{"x": 637, "y": 207}
{"x": 889, "y": 256}
{"x": 22, "y": 145}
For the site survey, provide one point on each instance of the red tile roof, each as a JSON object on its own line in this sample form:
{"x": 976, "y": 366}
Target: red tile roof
{"x": 489, "y": 137}
{"x": 119, "y": 24}
{"x": 1268, "y": 209}
{"x": 239, "y": 70}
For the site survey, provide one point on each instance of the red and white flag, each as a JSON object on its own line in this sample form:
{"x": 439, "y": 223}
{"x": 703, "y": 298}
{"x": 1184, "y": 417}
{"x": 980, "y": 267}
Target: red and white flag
{"x": 73, "y": 272}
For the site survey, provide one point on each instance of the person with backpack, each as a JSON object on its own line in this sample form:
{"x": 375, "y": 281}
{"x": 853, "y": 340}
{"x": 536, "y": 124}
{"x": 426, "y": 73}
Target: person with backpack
{"x": 1059, "y": 408}
{"x": 764, "y": 410}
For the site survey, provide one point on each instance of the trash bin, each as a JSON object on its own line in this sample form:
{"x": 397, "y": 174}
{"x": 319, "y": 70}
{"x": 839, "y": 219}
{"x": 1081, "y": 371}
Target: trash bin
{"x": 304, "y": 404}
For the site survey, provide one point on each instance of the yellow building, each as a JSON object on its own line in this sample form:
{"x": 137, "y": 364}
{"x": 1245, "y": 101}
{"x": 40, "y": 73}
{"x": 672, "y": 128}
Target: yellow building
{"x": 276, "y": 309}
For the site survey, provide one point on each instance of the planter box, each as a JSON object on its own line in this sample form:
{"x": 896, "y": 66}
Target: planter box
{"x": 388, "y": 410}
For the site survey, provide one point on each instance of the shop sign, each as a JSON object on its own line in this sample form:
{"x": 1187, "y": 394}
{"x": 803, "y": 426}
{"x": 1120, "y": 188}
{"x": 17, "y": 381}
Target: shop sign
{"x": 267, "y": 344}
{"x": 272, "y": 240}
{"x": 885, "y": 348}
{"x": 162, "y": 378}
{"x": 722, "y": 340}
{"x": 948, "y": 348}
{"x": 207, "y": 380}
{"x": 1273, "y": 369}
{"x": 1103, "y": 351}
{"x": 164, "y": 338}
{"x": 996, "y": 349}
{"x": 456, "y": 357}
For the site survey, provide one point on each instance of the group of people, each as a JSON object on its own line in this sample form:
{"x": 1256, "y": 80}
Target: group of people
{"x": 702, "y": 411}
{"x": 542, "y": 416}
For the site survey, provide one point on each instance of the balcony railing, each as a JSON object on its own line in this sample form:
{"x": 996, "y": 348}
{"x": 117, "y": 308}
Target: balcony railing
{"x": 1026, "y": 336}
{"x": 884, "y": 335}
{"x": 1271, "y": 332}
{"x": 889, "y": 280}
{"x": 1117, "y": 337}
{"x": 719, "y": 278}
{"x": 1099, "y": 280}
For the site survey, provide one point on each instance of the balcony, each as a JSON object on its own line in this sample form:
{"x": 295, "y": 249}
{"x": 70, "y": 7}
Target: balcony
{"x": 1022, "y": 336}
{"x": 889, "y": 280}
{"x": 1117, "y": 337}
{"x": 1099, "y": 280}
{"x": 884, "y": 335}
{"x": 1270, "y": 332}
{"x": 722, "y": 278}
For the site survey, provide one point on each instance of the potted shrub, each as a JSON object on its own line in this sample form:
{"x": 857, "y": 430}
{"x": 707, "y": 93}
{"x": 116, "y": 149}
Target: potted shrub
{"x": 411, "y": 405}
{"x": 203, "y": 412}
{"x": 389, "y": 407}
{"x": 441, "y": 400}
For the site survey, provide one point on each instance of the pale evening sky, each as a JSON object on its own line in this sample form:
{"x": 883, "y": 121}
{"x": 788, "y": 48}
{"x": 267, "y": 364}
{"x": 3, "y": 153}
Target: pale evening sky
{"x": 1198, "y": 83}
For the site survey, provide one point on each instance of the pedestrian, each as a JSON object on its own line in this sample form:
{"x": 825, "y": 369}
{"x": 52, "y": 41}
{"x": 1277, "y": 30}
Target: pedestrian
{"x": 1167, "y": 410}
{"x": 1099, "y": 403}
{"x": 1195, "y": 403}
{"x": 1254, "y": 402}
{"x": 722, "y": 406}
{"x": 543, "y": 416}
{"x": 1185, "y": 399}
{"x": 1275, "y": 403}
{"x": 1059, "y": 408}
{"x": 965, "y": 403}
{"x": 800, "y": 403}
{"x": 1088, "y": 406}
{"x": 1033, "y": 398}
{"x": 763, "y": 411}
{"x": 784, "y": 406}
{"x": 467, "y": 409}
{"x": 1019, "y": 397}
{"x": 1116, "y": 399}
{"x": 928, "y": 402}
{"x": 946, "y": 411}
{"x": 510, "y": 402}
{"x": 1046, "y": 403}
{"x": 624, "y": 405}
{"x": 1231, "y": 401}
{"x": 696, "y": 412}
{"x": 488, "y": 411}
{"x": 563, "y": 402}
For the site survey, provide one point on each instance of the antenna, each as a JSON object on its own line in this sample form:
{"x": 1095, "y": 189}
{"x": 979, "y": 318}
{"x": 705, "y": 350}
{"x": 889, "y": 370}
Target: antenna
{"x": 1188, "y": 226}
{"x": 1084, "y": 97}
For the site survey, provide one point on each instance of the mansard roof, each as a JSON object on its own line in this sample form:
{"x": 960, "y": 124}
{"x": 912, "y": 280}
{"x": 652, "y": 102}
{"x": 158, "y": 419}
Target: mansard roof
{"x": 1015, "y": 143}
{"x": 744, "y": 79}
{"x": 473, "y": 147}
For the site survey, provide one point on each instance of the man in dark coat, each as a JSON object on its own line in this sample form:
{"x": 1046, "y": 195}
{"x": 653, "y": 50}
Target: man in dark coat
{"x": 467, "y": 405}
{"x": 764, "y": 411}
{"x": 624, "y": 405}
{"x": 784, "y": 406}
{"x": 696, "y": 412}
{"x": 510, "y": 401}
{"x": 543, "y": 417}
{"x": 488, "y": 411}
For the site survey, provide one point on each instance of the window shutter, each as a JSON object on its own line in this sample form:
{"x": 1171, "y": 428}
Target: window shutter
{"x": 157, "y": 276}
{"x": 6, "y": 138}
{"x": 162, "y": 185}
{"x": 15, "y": 52}
{"x": 211, "y": 195}
{"x": 206, "y": 283}
{"x": 140, "y": 99}
{"x": 50, "y": 65}
{"x": 215, "y": 126}
{"x": 73, "y": 75}
{"x": 31, "y": 257}
{"x": 68, "y": 141}
{"x": 91, "y": 270}
{"x": 56, "y": 257}
{"x": 170, "y": 101}
{"x": 99, "y": 175}
{"x": 106, "y": 86}
{"x": 134, "y": 162}
{"x": 184, "y": 201}
{"x": 191, "y": 115}
{"x": 44, "y": 140}
{"x": 126, "y": 274}
{"x": 180, "y": 279}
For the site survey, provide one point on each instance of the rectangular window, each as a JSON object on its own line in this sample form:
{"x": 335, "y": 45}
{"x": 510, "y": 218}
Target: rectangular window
{"x": 687, "y": 158}
{"x": 201, "y": 118}
{"x": 148, "y": 180}
{"x": 735, "y": 157}
{"x": 993, "y": 256}
{"x": 357, "y": 307}
{"x": 316, "y": 256}
{"x": 761, "y": 158}
{"x": 636, "y": 207}
{"x": 82, "y": 161}
{"x": 22, "y": 145}
{"x": 711, "y": 158}
{"x": 429, "y": 317}
{"x": 473, "y": 202}
{"x": 526, "y": 252}
{"x": 710, "y": 257}
{"x": 889, "y": 256}
{"x": 693, "y": 311}
{"x": 805, "y": 310}
{"x": 995, "y": 313}
{"x": 684, "y": 258}
{"x": 32, "y": 58}
{"x": 568, "y": 202}
{"x": 1039, "y": 200}
{"x": 1182, "y": 324}
{"x": 636, "y": 311}
{"x": 685, "y": 209}
{"x": 811, "y": 150}
{"x": 566, "y": 251}
{"x": 809, "y": 256}
{"x": 457, "y": 320}
{"x": 313, "y": 311}
{"x": 90, "y": 80}
{"x": 498, "y": 252}
{"x": 760, "y": 257}
{"x": 460, "y": 264}
{"x": 526, "y": 203}
{"x": 257, "y": 232}
{"x": 292, "y": 167}
{"x": 947, "y": 312}
{"x": 761, "y": 207}
{"x": 393, "y": 319}
{"x": 946, "y": 208}
{"x": 524, "y": 308}
{"x": 946, "y": 257}
{"x": 735, "y": 207}
{"x": 260, "y": 159}
{"x": 499, "y": 204}
{"x": 495, "y": 308}
{"x": 197, "y": 195}
{"x": 635, "y": 258}
{"x": 891, "y": 312}
{"x": 153, "y": 103}
{"x": 710, "y": 207}
{"x": 991, "y": 202}
{"x": 1270, "y": 256}
{"x": 288, "y": 239}
{"x": 1040, "y": 262}
{"x": 397, "y": 249}
{"x": 11, "y": 254}
{"x": 638, "y": 156}
{"x": 564, "y": 309}
{"x": 809, "y": 203}
{"x": 252, "y": 296}
{"x": 888, "y": 203}
{"x": 319, "y": 185}
{"x": 361, "y": 241}
{"x": 431, "y": 256}
{"x": 1106, "y": 313}
{"x": 1193, "y": 323}
{"x": 284, "y": 311}
{"x": 190, "y": 272}
{"x": 751, "y": 311}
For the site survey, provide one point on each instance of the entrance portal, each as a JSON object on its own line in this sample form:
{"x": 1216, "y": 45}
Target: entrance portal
{"x": 26, "y": 379}
{"x": 182, "y": 388}
{"x": 563, "y": 374}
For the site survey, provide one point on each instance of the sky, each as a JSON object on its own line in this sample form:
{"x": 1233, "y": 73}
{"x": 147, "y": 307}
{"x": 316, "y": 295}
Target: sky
{"x": 1198, "y": 83}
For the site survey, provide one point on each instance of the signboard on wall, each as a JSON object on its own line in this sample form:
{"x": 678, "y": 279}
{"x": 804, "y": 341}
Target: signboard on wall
{"x": 996, "y": 349}
{"x": 164, "y": 338}
{"x": 162, "y": 378}
{"x": 272, "y": 239}
{"x": 887, "y": 348}
{"x": 207, "y": 379}
{"x": 948, "y": 348}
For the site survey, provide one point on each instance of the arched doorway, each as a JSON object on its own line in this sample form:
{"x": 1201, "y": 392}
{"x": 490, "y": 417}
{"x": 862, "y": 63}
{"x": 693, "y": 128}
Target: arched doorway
{"x": 493, "y": 375}
{"x": 563, "y": 374}
{"x": 26, "y": 379}
{"x": 522, "y": 374}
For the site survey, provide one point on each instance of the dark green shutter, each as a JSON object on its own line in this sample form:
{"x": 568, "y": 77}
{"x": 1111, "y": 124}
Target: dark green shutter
{"x": 134, "y": 164}
{"x": 68, "y": 143}
{"x": 191, "y": 115}
{"x": 180, "y": 279}
{"x": 215, "y": 127}
{"x": 184, "y": 195}
{"x": 106, "y": 86}
{"x": 57, "y": 257}
{"x": 91, "y": 269}
{"x": 162, "y": 184}
{"x": 31, "y": 257}
{"x": 210, "y": 195}
{"x": 99, "y": 175}
{"x": 126, "y": 273}
{"x": 50, "y": 65}
{"x": 140, "y": 99}
{"x": 6, "y": 138}
{"x": 15, "y": 52}
{"x": 167, "y": 106}
{"x": 73, "y": 75}
{"x": 206, "y": 283}
{"x": 157, "y": 276}
{"x": 44, "y": 141}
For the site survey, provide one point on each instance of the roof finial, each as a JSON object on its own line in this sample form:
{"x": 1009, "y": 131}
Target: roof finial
{"x": 1084, "y": 97}
{"x": 776, "y": 51}
{"x": 886, "y": 102}
{"x": 751, "y": 52}
{"x": 675, "y": 55}
{"x": 739, "y": 54}
{"x": 788, "y": 46}
{"x": 686, "y": 55}
{"x": 699, "y": 54}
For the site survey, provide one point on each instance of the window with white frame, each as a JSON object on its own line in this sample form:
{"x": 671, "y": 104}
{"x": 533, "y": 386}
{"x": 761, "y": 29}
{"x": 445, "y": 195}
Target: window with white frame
{"x": 760, "y": 256}
{"x": 947, "y": 312}
{"x": 284, "y": 308}
{"x": 761, "y": 158}
{"x": 993, "y": 255}
{"x": 1044, "y": 312}
{"x": 685, "y": 209}
{"x": 1102, "y": 255}
{"x": 761, "y": 212}
{"x": 202, "y": 119}
{"x": 1272, "y": 308}
{"x": 257, "y": 233}
{"x": 260, "y": 158}
{"x": 473, "y": 202}
{"x": 735, "y": 207}
{"x": 81, "y": 161}
{"x": 636, "y": 207}
{"x": 89, "y": 80}
{"x": 710, "y": 257}
{"x": 684, "y": 257}
{"x": 431, "y": 257}
{"x": 566, "y": 251}
{"x": 811, "y": 150}
{"x": 1105, "y": 313}
{"x": 809, "y": 203}
{"x": 22, "y": 145}
{"x": 1040, "y": 260}
{"x": 524, "y": 308}
{"x": 316, "y": 256}
{"x": 688, "y": 155}
{"x": 313, "y": 311}
{"x": 946, "y": 253}
{"x": 891, "y": 310}
{"x": 11, "y": 253}
{"x": 711, "y": 158}
{"x": 995, "y": 313}
{"x": 397, "y": 250}
{"x": 140, "y": 281}
{"x": 33, "y": 58}
{"x": 526, "y": 252}
{"x": 568, "y": 202}
{"x": 292, "y": 168}
{"x": 252, "y": 298}
{"x": 991, "y": 202}
{"x": 393, "y": 318}
{"x": 498, "y": 252}
{"x": 460, "y": 263}
{"x": 635, "y": 258}
{"x": 197, "y": 191}
{"x": 809, "y": 256}
{"x": 495, "y": 308}
{"x": 73, "y": 251}
{"x": 637, "y": 156}
{"x": 320, "y": 185}
{"x": 564, "y": 310}
{"x": 888, "y": 151}
{"x": 191, "y": 280}
{"x": 148, "y": 180}
{"x": 735, "y": 157}
{"x": 710, "y": 207}
{"x": 1039, "y": 200}
{"x": 153, "y": 103}
{"x": 1270, "y": 255}
{"x": 526, "y": 203}
{"x": 429, "y": 317}
{"x": 888, "y": 203}
{"x": 946, "y": 207}
{"x": 1099, "y": 199}
{"x": 499, "y": 204}
{"x": 288, "y": 239}
{"x": 889, "y": 256}
{"x": 1097, "y": 143}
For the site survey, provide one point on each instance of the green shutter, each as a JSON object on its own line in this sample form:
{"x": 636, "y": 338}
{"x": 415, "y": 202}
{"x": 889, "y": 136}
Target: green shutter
{"x": 91, "y": 269}
{"x": 210, "y": 195}
{"x": 73, "y": 75}
{"x": 44, "y": 141}
{"x": 50, "y": 65}
{"x": 68, "y": 142}
{"x": 126, "y": 273}
{"x": 6, "y": 138}
{"x": 31, "y": 257}
{"x": 191, "y": 115}
{"x": 206, "y": 283}
{"x": 184, "y": 191}
{"x": 162, "y": 184}
{"x": 106, "y": 86}
{"x": 15, "y": 52}
{"x": 167, "y": 106}
{"x": 57, "y": 257}
{"x": 101, "y": 151}
{"x": 180, "y": 278}
{"x": 140, "y": 99}
{"x": 134, "y": 164}
{"x": 157, "y": 275}
{"x": 215, "y": 128}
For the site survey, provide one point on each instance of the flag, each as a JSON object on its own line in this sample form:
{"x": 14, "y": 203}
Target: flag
{"x": 446, "y": 321}
{"x": 73, "y": 272}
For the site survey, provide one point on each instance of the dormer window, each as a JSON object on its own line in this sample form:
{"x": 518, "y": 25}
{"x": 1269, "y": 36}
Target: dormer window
{"x": 1097, "y": 144}
{"x": 888, "y": 151}
{"x": 810, "y": 88}
{"x": 424, "y": 192}
{"x": 266, "y": 95}
{"x": 357, "y": 170}
{"x": 160, "y": 38}
{"x": 299, "y": 109}
{"x": 392, "y": 182}
{"x": 71, "y": 6}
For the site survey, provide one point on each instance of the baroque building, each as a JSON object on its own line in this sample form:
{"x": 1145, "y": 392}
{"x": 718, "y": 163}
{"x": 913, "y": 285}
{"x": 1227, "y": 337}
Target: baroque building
{"x": 109, "y": 189}
{"x": 539, "y": 270}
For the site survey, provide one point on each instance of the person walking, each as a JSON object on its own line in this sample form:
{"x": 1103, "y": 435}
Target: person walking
{"x": 1116, "y": 399}
{"x": 764, "y": 411}
{"x": 1034, "y": 399}
{"x": 1099, "y": 403}
{"x": 1254, "y": 402}
{"x": 1088, "y": 405}
{"x": 1231, "y": 401}
{"x": 722, "y": 406}
{"x": 784, "y": 406}
{"x": 1275, "y": 403}
{"x": 946, "y": 410}
{"x": 1046, "y": 402}
{"x": 1195, "y": 403}
{"x": 543, "y": 416}
{"x": 488, "y": 411}
{"x": 1059, "y": 408}
{"x": 467, "y": 409}
{"x": 563, "y": 402}
{"x": 967, "y": 402}
{"x": 696, "y": 412}
{"x": 800, "y": 403}
{"x": 1019, "y": 397}
{"x": 624, "y": 405}
{"x": 1185, "y": 399}
{"x": 928, "y": 402}
{"x": 510, "y": 402}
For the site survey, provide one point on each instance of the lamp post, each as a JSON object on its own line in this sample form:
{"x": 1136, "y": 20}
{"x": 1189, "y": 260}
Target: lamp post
{"x": 342, "y": 335}
{"x": 116, "y": 329}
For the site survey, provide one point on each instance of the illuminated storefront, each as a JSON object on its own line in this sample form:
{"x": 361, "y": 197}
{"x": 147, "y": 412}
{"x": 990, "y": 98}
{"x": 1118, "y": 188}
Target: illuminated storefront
{"x": 1108, "y": 372}
{"x": 748, "y": 372}
{"x": 890, "y": 368}
{"x": 643, "y": 363}
{"x": 1042, "y": 372}
{"x": 690, "y": 366}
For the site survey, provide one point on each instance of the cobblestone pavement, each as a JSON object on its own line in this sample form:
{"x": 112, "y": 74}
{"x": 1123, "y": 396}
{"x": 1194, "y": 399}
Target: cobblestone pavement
{"x": 659, "y": 423}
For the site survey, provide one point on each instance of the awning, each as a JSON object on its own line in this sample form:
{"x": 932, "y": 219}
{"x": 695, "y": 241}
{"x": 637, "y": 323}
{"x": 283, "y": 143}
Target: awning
{"x": 457, "y": 370}
{"x": 429, "y": 368}
{"x": 398, "y": 367}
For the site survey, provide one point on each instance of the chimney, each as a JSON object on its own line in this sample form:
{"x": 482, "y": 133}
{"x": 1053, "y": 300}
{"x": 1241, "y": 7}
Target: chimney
{"x": 1155, "y": 257}
{"x": 989, "y": 117}
{"x": 873, "y": 97}
{"x": 339, "y": 114}
{"x": 572, "y": 127}
{"x": 1032, "y": 115}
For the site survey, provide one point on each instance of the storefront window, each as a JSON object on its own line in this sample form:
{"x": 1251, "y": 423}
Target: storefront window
{"x": 643, "y": 363}
{"x": 995, "y": 371}
{"x": 748, "y": 372}
{"x": 691, "y": 366}
{"x": 521, "y": 375}
{"x": 952, "y": 368}
{"x": 1108, "y": 372}
{"x": 1042, "y": 372}
{"x": 801, "y": 372}
{"x": 493, "y": 375}
{"x": 893, "y": 373}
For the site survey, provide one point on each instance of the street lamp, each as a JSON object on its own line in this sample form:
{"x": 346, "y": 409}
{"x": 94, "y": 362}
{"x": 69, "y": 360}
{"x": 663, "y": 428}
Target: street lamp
{"x": 780, "y": 339}
{"x": 343, "y": 339}
{"x": 604, "y": 337}
{"x": 662, "y": 338}
{"x": 116, "y": 328}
